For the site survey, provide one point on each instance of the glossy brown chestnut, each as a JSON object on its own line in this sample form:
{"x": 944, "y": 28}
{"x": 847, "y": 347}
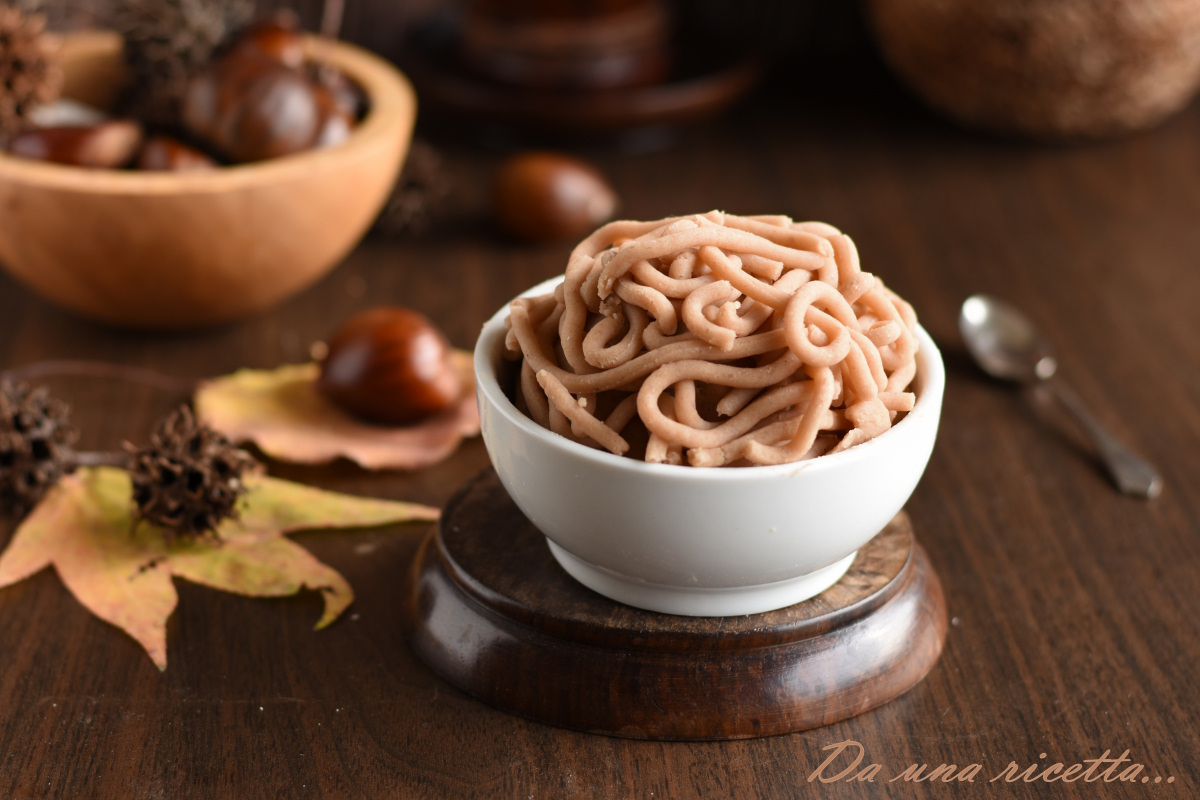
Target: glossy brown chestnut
{"x": 274, "y": 37}
{"x": 251, "y": 107}
{"x": 164, "y": 154}
{"x": 346, "y": 94}
{"x": 541, "y": 196}
{"x": 389, "y": 365}
{"x": 108, "y": 145}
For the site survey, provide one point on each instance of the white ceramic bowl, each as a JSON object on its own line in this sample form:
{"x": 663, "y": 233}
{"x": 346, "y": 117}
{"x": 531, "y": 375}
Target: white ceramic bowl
{"x": 703, "y": 541}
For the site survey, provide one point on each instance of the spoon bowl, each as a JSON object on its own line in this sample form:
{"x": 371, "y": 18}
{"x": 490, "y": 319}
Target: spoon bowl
{"x": 1003, "y": 341}
{"x": 1007, "y": 345}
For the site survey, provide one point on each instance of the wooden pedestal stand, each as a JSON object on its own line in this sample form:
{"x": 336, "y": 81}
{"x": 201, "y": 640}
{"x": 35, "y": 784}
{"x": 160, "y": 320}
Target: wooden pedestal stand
{"x": 494, "y": 614}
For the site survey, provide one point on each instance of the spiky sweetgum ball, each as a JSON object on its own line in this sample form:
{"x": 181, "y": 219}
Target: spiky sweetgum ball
{"x": 36, "y": 445}
{"x": 189, "y": 478}
{"x": 166, "y": 43}
{"x": 30, "y": 73}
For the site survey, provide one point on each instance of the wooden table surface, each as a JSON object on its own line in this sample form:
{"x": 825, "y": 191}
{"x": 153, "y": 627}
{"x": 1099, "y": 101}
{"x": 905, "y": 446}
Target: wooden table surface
{"x": 1073, "y": 609}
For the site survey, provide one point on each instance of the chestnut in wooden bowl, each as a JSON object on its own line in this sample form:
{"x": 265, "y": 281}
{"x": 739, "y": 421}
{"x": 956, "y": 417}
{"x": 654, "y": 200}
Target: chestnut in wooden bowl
{"x": 177, "y": 250}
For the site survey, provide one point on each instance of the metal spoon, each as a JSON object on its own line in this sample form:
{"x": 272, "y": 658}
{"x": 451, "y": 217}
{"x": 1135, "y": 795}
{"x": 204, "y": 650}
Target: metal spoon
{"x": 1006, "y": 345}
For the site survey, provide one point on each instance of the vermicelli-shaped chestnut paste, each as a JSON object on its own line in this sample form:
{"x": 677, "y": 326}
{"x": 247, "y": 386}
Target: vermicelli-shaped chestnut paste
{"x": 716, "y": 340}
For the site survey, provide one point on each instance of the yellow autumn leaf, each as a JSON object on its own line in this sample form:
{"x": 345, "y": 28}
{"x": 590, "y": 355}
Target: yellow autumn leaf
{"x": 123, "y": 573}
{"x": 262, "y": 568}
{"x": 281, "y": 411}
{"x": 83, "y": 528}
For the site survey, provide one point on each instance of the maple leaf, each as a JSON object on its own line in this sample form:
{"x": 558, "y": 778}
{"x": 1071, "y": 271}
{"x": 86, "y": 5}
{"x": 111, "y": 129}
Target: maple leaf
{"x": 123, "y": 573}
{"x": 281, "y": 411}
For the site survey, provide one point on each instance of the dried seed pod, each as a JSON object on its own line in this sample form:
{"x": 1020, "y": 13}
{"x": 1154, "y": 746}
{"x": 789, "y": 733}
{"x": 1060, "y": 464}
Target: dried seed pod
{"x": 421, "y": 195}
{"x": 36, "y": 445}
{"x": 166, "y": 43}
{"x": 30, "y": 73}
{"x": 189, "y": 478}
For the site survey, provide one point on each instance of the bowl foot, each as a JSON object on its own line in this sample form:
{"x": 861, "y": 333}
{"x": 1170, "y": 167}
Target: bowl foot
{"x": 700, "y": 601}
{"x": 491, "y": 611}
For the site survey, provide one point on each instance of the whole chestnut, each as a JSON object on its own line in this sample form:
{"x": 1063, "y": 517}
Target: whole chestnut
{"x": 389, "y": 365}
{"x": 542, "y": 196}
{"x": 108, "y": 145}
{"x": 275, "y": 36}
{"x": 165, "y": 154}
{"x": 252, "y": 107}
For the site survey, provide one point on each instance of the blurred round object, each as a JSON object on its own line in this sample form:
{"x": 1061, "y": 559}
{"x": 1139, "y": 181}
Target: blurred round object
{"x": 542, "y": 196}
{"x": 702, "y": 75}
{"x": 64, "y": 113}
{"x": 164, "y": 154}
{"x": 108, "y": 145}
{"x": 1051, "y": 69}
{"x": 586, "y": 44}
{"x": 390, "y": 365}
{"x": 253, "y": 107}
{"x": 274, "y": 37}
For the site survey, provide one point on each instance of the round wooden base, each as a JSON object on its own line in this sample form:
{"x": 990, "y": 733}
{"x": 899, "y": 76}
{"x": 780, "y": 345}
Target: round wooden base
{"x": 494, "y": 614}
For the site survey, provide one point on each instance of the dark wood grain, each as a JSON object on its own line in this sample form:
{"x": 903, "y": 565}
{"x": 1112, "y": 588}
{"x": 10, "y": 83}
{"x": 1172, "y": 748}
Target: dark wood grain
{"x": 1073, "y": 610}
{"x": 493, "y": 613}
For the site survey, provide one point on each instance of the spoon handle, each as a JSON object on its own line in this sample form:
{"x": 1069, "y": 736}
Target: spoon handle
{"x": 1131, "y": 473}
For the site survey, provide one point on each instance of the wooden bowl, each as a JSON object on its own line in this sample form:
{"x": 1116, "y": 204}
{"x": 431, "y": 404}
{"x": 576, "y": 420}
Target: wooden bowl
{"x": 1055, "y": 69}
{"x": 162, "y": 250}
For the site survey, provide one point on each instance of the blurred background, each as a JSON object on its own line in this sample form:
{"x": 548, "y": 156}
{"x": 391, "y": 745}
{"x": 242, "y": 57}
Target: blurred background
{"x": 641, "y": 92}
{"x": 1055, "y": 69}
{"x": 782, "y": 29}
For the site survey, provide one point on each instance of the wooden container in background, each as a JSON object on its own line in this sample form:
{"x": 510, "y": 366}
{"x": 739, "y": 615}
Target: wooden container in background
{"x": 1048, "y": 69}
{"x": 163, "y": 251}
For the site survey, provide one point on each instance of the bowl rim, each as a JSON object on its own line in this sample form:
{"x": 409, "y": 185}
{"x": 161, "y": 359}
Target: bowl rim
{"x": 393, "y": 103}
{"x": 931, "y": 373}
